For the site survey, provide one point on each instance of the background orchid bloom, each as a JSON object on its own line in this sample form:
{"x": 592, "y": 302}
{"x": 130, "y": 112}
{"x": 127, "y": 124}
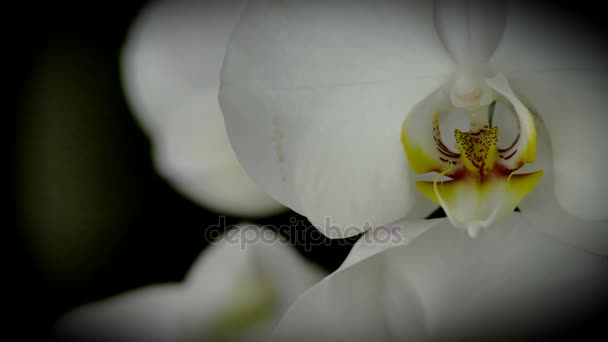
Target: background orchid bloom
{"x": 314, "y": 96}
{"x": 238, "y": 289}
{"x": 170, "y": 65}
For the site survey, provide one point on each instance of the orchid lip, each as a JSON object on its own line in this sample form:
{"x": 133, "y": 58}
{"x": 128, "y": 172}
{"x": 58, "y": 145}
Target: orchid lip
{"x": 483, "y": 186}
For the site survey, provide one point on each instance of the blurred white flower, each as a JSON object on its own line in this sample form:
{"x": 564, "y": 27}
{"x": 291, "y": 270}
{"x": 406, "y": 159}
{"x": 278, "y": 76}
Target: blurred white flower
{"x": 314, "y": 95}
{"x": 171, "y": 67}
{"x": 238, "y": 289}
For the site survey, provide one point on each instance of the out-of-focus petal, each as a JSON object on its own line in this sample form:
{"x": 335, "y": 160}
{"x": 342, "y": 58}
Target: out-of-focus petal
{"x": 171, "y": 67}
{"x": 149, "y": 314}
{"x": 313, "y": 95}
{"x": 470, "y": 30}
{"x": 265, "y": 276}
{"x": 173, "y": 49}
{"x": 511, "y": 281}
{"x": 239, "y": 288}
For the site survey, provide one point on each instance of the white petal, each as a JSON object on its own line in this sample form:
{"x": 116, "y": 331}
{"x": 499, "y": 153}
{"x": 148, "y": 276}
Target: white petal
{"x": 572, "y": 107}
{"x": 510, "y": 281}
{"x": 171, "y": 65}
{"x": 313, "y": 95}
{"x": 539, "y": 37}
{"x": 382, "y": 238}
{"x": 173, "y": 49}
{"x": 470, "y": 30}
{"x": 147, "y": 314}
{"x": 243, "y": 259}
{"x": 542, "y": 206}
{"x": 238, "y": 288}
{"x": 350, "y": 305}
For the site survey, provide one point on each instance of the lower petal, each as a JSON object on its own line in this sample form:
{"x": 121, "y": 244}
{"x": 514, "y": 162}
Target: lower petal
{"x": 511, "y": 281}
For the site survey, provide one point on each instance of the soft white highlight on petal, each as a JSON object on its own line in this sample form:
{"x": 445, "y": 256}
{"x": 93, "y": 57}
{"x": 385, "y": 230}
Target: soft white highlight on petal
{"x": 469, "y": 29}
{"x": 239, "y": 288}
{"x": 313, "y": 96}
{"x": 510, "y": 282}
{"x": 171, "y": 64}
{"x": 542, "y": 208}
{"x": 572, "y": 107}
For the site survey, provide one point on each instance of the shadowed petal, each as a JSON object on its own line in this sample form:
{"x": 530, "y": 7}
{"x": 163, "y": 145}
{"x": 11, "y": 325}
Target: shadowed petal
{"x": 512, "y": 281}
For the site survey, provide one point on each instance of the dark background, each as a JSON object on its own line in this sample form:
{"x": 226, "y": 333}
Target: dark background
{"x": 88, "y": 215}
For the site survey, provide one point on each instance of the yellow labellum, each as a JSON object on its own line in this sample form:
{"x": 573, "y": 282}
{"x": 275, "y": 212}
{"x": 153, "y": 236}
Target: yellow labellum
{"x": 483, "y": 186}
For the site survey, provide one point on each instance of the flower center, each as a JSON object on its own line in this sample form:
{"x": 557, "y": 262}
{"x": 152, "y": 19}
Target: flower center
{"x": 482, "y": 185}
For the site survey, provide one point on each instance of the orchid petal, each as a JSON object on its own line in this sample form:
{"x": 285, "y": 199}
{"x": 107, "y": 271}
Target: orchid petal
{"x": 238, "y": 288}
{"x": 386, "y": 237}
{"x": 313, "y": 95}
{"x": 149, "y": 314}
{"x": 349, "y": 305}
{"x": 171, "y": 64}
{"x": 571, "y": 106}
{"x": 509, "y": 282}
{"x": 470, "y": 30}
{"x": 542, "y": 207}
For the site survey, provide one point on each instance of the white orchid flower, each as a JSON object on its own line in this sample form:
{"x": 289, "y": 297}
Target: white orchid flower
{"x": 332, "y": 106}
{"x": 238, "y": 289}
{"x": 171, "y": 68}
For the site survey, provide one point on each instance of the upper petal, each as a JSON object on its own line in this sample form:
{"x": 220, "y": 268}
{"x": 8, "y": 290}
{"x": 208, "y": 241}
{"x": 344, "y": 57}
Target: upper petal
{"x": 171, "y": 67}
{"x": 313, "y": 95}
{"x": 511, "y": 281}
